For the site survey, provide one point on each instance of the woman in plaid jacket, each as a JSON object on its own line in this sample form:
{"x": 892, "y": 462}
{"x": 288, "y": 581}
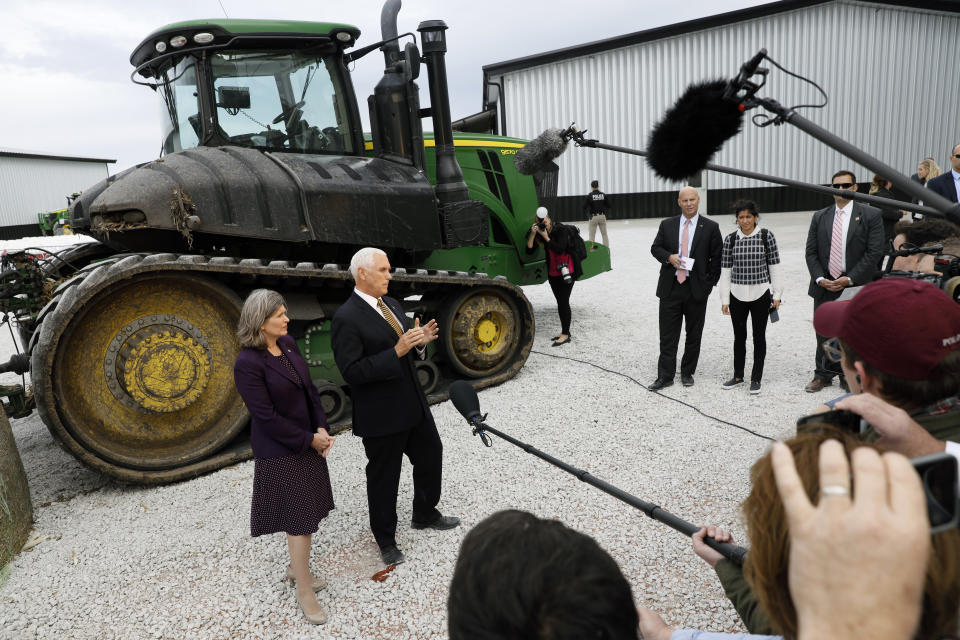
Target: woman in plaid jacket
{"x": 750, "y": 285}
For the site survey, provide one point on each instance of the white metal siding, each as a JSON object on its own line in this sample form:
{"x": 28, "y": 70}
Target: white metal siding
{"x": 29, "y": 186}
{"x": 891, "y": 75}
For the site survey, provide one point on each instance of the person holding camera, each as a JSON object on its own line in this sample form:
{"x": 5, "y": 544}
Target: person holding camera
{"x": 564, "y": 251}
{"x": 750, "y": 285}
{"x": 900, "y": 338}
{"x": 781, "y": 579}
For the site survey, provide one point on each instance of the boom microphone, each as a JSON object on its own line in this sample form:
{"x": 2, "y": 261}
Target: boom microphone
{"x": 464, "y": 398}
{"x": 693, "y": 130}
{"x": 537, "y": 154}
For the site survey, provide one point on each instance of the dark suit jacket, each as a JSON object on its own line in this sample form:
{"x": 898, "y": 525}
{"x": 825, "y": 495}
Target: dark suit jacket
{"x": 944, "y": 185}
{"x": 284, "y": 415}
{"x": 386, "y": 395}
{"x": 864, "y": 247}
{"x": 705, "y": 251}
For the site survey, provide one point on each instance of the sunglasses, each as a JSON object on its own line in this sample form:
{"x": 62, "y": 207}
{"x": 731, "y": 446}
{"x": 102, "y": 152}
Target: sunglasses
{"x": 831, "y": 349}
{"x": 842, "y": 185}
{"x": 904, "y": 246}
{"x": 956, "y": 155}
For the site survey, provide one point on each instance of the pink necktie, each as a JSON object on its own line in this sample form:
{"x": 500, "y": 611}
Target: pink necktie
{"x": 684, "y": 241}
{"x": 836, "y": 246}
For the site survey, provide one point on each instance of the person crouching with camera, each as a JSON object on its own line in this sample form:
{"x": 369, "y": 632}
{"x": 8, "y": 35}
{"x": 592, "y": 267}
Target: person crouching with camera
{"x": 563, "y": 264}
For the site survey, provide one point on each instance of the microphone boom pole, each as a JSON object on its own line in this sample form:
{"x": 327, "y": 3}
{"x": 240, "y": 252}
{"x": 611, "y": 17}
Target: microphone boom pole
{"x": 464, "y": 398}
{"x": 849, "y": 195}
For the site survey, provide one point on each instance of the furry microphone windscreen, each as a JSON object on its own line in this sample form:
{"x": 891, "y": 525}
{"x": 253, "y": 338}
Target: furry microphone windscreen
{"x": 693, "y": 130}
{"x": 537, "y": 154}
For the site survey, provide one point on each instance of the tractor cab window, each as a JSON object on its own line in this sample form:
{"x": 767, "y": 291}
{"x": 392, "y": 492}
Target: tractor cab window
{"x": 181, "y": 108}
{"x": 289, "y": 101}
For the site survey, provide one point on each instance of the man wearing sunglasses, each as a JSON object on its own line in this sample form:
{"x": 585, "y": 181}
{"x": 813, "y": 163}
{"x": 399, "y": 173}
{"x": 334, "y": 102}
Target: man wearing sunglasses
{"x": 948, "y": 184}
{"x": 844, "y": 247}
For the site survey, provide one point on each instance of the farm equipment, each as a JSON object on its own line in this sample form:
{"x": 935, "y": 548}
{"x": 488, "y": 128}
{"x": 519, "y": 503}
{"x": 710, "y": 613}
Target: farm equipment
{"x": 57, "y": 223}
{"x": 268, "y": 181}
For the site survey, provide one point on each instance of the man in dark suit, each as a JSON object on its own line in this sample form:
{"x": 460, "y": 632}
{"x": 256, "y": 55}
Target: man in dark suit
{"x": 844, "y": 247}
{"x": 689, "y": 254}
{"x": 374, "y": 348}
{"x": 948, "y": 184}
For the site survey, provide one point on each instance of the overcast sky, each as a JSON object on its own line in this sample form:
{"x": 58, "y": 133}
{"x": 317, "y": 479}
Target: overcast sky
{"x": 65, "y": 74}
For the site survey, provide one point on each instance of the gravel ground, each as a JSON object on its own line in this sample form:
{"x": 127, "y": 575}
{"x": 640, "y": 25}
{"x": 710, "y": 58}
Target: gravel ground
{"x": 115, "y": 561}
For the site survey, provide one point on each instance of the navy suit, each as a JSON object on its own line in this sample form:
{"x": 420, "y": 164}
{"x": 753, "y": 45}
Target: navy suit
{"x": 685, "y": 302}
{"x": 944, "y": 185}
{"x": 390, "y": 413}
{"x": 284, "y": 414}
{"x": 864, "y": 246}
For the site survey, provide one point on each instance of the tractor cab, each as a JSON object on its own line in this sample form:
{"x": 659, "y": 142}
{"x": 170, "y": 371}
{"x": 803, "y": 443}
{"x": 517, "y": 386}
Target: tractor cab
{"x": 267, "y": 85}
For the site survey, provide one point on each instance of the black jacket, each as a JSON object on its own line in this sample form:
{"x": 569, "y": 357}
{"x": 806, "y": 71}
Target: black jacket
{"x": 705, "y": 251}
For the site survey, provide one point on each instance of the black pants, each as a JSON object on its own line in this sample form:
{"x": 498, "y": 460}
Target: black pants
{"x": 422, "y": 446}
{"x": 680, "y": 306}
{"x": 561, "y": 291}
{"x": 824, "y": 369}
{"x": 759, "y": 311}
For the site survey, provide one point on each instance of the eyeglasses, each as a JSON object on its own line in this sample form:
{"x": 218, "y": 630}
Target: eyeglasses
{"x": 831, "y": 349}
{"x": 842, "y": 185}
{"x": 956, "y": 155}
{"x": 904, "y": 246}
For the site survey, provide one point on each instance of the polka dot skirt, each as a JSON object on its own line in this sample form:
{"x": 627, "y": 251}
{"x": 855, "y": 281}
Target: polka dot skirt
{"x": 290, "y": 494}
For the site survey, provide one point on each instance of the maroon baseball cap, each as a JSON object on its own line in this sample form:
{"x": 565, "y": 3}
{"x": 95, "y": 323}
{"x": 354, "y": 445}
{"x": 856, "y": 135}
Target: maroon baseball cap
{"x": 901, "y": 326}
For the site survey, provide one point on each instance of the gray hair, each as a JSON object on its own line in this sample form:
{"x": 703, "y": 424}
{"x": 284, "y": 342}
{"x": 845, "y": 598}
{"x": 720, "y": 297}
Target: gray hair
{"x": 364, "y": 258}
{"x": 257, "y": 309}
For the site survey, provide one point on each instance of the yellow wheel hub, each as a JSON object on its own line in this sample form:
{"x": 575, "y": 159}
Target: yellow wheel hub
{"x": 166, "y": 372}
{"x": 488, "y": 331}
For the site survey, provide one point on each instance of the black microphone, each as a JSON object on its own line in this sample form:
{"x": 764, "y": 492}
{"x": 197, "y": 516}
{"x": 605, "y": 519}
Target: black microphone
{"x": 464, "y": 398}
{"x": 537, "y": 154}
{"x": 693, "y": 130}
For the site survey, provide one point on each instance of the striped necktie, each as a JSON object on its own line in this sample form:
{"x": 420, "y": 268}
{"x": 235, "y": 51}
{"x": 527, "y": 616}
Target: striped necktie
{"x": 385, "y": 312}
{"x": 836, "y": 246}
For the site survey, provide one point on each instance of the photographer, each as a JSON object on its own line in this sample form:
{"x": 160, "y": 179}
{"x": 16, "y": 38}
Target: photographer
{"x": 768, "y": 591}
{"x": 900, "y": 337}
{"x": 564, "y": 250}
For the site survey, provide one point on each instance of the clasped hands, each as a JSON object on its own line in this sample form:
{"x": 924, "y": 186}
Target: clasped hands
{"x": 416, "y": 336}
{"x": 839, "y": 284}
{"x": 322, "y": 442}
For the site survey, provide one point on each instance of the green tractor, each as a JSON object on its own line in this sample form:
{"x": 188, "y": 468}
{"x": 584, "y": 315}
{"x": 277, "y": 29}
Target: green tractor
{"x": 268, "y": 181}
{"x": 57, "y": 223}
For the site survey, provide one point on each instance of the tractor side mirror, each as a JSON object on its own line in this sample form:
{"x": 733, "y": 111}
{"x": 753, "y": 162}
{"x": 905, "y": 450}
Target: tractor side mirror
{"x": 411, "y": 58}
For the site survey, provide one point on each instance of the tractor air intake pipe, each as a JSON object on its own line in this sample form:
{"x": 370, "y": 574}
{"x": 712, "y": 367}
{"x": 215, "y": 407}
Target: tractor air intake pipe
{"x": 450, "y": 184}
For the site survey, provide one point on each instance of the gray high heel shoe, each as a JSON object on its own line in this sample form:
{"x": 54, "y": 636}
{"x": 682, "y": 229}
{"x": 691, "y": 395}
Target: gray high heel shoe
{"x": 318, "y": 583}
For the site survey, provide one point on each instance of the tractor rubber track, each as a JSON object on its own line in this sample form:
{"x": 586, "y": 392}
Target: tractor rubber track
{"x": 236, "y": 273}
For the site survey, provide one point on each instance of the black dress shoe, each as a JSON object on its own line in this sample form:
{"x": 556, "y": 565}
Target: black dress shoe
{"x": 660, "y": 383}
{"x": 687, "y": 381}
{"x": 557, "y": 343}
{"x": 392, "y": 556}
{"x": 442, "y": 523}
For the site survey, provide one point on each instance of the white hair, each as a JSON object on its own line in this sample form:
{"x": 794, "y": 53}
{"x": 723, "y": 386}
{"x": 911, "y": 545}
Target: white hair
{"x": 364, "y": 258}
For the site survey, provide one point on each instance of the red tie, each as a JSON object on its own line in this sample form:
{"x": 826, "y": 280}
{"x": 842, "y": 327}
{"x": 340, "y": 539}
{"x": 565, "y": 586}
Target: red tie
{"x": 684, "y": 241}
{"x": 836, "y": 246}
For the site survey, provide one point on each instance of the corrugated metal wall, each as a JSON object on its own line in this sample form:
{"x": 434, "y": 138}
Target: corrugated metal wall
{"x": 31, "y": 185}
{"x": 891, "y": 75}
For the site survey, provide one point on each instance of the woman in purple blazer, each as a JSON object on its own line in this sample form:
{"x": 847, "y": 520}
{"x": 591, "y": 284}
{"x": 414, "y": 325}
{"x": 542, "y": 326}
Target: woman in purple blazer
{"x": 290, "y": 439}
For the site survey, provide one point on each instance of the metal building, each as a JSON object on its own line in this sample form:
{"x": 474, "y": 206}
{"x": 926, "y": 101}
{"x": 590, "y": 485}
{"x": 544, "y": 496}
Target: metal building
{"x": 889, "y": 69}
{"x": 34, "y": 182}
